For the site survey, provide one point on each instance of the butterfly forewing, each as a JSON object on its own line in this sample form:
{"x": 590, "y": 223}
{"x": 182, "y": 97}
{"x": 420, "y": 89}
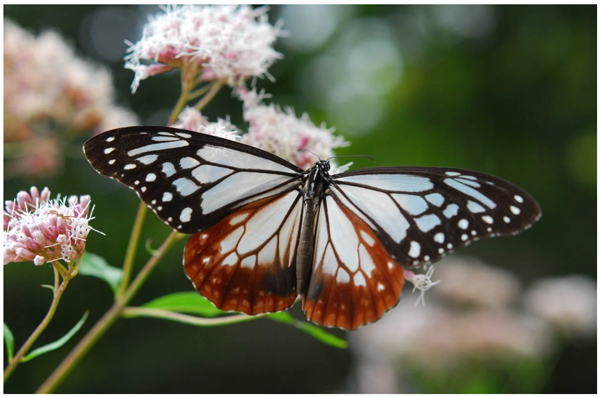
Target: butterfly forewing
{"x": 421, "y": 213}
{"x": 247, "y": 261}
{"x": 190, "y": 180}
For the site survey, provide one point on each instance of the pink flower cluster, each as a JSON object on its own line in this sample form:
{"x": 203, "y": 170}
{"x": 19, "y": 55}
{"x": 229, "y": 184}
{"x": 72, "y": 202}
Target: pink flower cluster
{"x": 282, "y": 133}
{"x": 40, "y": 230}
{"x": 231, "y": 43}
{"x": 50, "y": 92}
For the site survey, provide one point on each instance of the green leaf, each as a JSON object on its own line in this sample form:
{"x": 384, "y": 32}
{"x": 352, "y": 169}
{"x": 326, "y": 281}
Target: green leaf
{"x": 58, "y": 343}
{"x": 94, "y": 265}
{"x": 314, "y": 331}
{"x": 10, "y": 342}
{"x": 185, "y": 302}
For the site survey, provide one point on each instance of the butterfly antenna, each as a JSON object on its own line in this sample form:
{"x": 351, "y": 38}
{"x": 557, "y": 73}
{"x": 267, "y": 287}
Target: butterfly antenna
{"x": 313, "y": 153}
{"x": 362, "y": 156}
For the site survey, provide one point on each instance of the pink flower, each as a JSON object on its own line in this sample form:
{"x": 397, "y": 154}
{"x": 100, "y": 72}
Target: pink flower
{"x": 231, "y": 43}
{"x": 40, "y": 230}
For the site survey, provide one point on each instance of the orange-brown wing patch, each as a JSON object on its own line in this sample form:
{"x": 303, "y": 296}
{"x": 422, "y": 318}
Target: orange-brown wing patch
{"x": 354, "y": 280}
{"x": 246, "y": 262}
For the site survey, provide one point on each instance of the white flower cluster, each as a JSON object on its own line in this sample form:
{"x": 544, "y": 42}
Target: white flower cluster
{"x": 224, "y": 42}
{"x": 40, "y": 230}
{"x": 280, "y": 132}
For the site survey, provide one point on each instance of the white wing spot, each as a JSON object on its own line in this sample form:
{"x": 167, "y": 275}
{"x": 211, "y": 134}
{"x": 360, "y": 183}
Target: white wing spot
{"x": 108, "y": 150}
{"x": 231, "y": 259}
{"x": 183, "y": 134}
{"x": 238, "y": 218}
{"x": 380, "y": 287}
{"x": 136, "y": 182}
{"x": 159, "y": 208}
{"x": 506, "y": 219}
{"x": 367, "y": 239}
{"x": 428, "y": 222}
{"x": 153, "y": 202}
{"x": 390, "y": 265}
{"x": 464, "y": 237}
{"x": 110, "y": 139}
{"x": 359, "y": 280}
{"x": 150, "y": 177}
{"x": 185, "y": 186}
{"x": 435, "y": 199}
{"x": 164, "y": 139}
{"x": 426, "y": 257}
{"x": 463, "y": 224}
{"x": 157, "y": 146}
{"x": 451, "y": 210}
{"x": 186, "y": 215}
{"x": 129, "y": 166}
{"x": 450, "y": 246}
{"x": 518, "y": 198}
{"x": 452, "y": 173}
{"x": 440, "y": 250}
{"x": 148, "y": 159}
{"x": 111, "y": 162}
{"x": 143, "y": 189}
{"x": 488, "y": 219}
{"x": 342, "y": 276}
{"x": 439, "y": 238}
{"x": 489, "y": 229}
{"x": 415, "y": 249}
{"x": 188, "y": 162}
{"x": 475, "y": 207}
{"x": 167, "y": 197}
{"x": 170, "y": 219}
{"x": 515, "y": 210}
{"x": 168, "y": 169}
{"x": 476, "y": 194}
{"x": 474, "y": 232}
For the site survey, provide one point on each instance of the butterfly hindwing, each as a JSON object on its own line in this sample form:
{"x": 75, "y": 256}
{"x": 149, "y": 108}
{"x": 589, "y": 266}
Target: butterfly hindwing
{"x": 354, "y": 280}
{"x": 190, "y": 180}
{"x": 422, "y": 213}
{"x": 247, "y": 261}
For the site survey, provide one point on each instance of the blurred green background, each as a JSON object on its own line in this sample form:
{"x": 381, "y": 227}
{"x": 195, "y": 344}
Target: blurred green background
{"x": 507, "y": 90}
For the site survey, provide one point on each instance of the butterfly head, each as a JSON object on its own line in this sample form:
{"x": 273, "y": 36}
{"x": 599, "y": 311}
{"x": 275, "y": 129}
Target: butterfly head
{"x": 323, "y": 166}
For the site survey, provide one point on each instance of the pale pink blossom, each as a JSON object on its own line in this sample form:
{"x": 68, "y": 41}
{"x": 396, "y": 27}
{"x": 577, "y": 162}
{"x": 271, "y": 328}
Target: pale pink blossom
{"x": 567, "y": 303}
{"x": 421, "y": 282}
{"x": 470, "y": 282}
{"x": 280, "y": 132}
{"x": 230, "y": 43}
{"x": 192, "y": 120}
{"x": 40, "y": 230}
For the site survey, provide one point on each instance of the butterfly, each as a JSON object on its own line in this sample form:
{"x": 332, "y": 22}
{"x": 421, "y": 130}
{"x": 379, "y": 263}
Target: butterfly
{"x": 265, "y": 232}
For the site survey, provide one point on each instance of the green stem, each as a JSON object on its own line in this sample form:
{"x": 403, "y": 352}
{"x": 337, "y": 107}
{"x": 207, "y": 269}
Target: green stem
{"x": 216, "y": 86}
{"x": 188, "y": 74}
{"x": 94, "y": 334}
{"x": 131, "y": 249}
{"x": 200, "y": 91}
{"x": 58, "y": 292}
{"x": 186, "y": 318}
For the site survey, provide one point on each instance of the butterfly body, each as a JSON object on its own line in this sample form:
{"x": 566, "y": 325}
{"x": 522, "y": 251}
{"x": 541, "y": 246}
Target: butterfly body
{"x": 265, "y": 231}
